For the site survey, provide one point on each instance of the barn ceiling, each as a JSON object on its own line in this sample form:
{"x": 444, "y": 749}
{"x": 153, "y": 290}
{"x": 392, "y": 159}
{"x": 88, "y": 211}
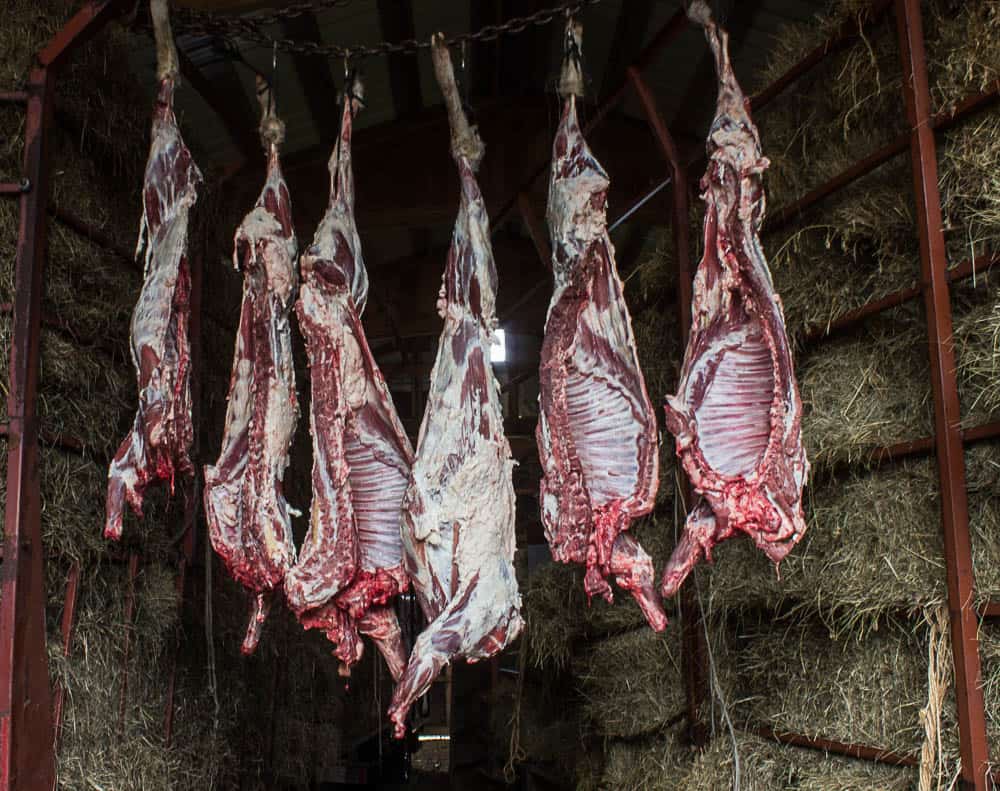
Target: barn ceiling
{"x": 407, "y": 189}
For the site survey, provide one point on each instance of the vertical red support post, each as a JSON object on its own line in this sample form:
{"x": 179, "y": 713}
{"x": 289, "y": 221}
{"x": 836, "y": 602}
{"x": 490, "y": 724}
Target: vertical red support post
{"x": 27, "y": 755}
{"x": 68, "y": 623}
{"x": 133, "y": 573}
{"x": 27, "y": 758}
{"x": 693, "y": 637}
{"x": 947, "y": 413}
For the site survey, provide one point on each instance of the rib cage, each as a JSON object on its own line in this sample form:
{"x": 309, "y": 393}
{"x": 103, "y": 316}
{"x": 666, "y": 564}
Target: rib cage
{"x": 737, "y": 413}
{"x": 350, "y": 564}
{"x": 597, "y": 437}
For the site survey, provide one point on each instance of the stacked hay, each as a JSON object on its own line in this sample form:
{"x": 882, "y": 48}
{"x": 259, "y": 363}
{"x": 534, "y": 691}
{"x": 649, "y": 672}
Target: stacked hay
{"x": 115, "y": 706}
{"x": 874, "y": 545}
{"x": 560, "y": 620}
{"x": 765, "y": 766}
{"x": 848, "y": 661}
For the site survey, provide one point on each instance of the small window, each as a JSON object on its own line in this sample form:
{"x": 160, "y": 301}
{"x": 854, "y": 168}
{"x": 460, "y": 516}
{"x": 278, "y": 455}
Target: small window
{"x": 498, "y": 351}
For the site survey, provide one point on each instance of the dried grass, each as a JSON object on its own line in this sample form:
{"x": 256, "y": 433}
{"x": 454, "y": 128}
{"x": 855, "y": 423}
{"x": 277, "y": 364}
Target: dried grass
{"x": 631, "y": 683}
{"x": 765, "y": 766}
{"x": 874, "y": 545}
{"x": 98, "y": 748}
{"x": 559, "y": 618}
{"x": 803, "y": 678}
{"x": 645, "y": 765}
{"x": 869, "y": 388}
{"x": 859, "y": 244}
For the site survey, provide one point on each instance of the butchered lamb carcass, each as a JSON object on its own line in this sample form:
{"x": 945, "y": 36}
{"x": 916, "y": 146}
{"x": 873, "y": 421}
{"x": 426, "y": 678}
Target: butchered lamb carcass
{"x": 158, "y": 446}
{"x": 737, "y": 412}
{"x": 458, "y": 512}
{"x": 597, "y": 435}
{"x": 249, "y": 520}
{"x": 350, "y": 565}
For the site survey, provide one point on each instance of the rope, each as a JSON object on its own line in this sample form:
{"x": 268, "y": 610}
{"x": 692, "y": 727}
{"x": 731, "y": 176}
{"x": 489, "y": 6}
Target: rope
{"x": 938, "y": 677}
{"x": 717, "y": 693}
{"x": 517, "y": 753}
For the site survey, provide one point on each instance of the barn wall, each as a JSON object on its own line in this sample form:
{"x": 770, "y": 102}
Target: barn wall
{"x": 837, "y": 647}
{"x": 114, "y": 676}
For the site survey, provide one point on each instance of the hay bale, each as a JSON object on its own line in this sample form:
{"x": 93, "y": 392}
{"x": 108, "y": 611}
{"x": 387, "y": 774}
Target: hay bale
{"x": 556, "y": 610}
{"x": 989, "y": 654}
{"x": 977, "y": 350}
{"x": 765, "y": 766}
{"x": 874, "y": 544}
{"x": 645, "y": 765}
{"x": 98, "y": 750}
{"x": 631, "y": 683}
{"x": 864, "y": 688}
{"x": 869, "y": 388}
{"x": 859, "y": 244}
{"x": 872, "y": 387}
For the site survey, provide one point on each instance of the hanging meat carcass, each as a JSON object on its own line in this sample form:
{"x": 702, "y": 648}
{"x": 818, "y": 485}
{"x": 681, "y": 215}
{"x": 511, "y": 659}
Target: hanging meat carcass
{"x": 458, "y": 512}
{"x": 158, "y": 447}
{"x": 737, "y": 413}
{"x": 597, "y": 437}
{"x": 249, "y": 520}
{"x": 350, "y": 566}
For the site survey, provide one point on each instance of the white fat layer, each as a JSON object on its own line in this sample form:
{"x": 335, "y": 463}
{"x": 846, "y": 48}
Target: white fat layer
{"x": 460, "y": 499}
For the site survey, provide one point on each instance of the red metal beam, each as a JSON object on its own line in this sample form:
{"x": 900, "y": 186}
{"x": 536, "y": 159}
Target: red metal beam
{"x": 940, "y": 122}
{"x": 27, "y": 759}
{"x": 927, "y": 445}
{"x": 947, "y": 412}
{"x": 26, "y": 735}
{"x": 860, "y": 168}
{"x": 10, "y": 189}
{"x": 68, "y": 624}
{"x": 860, "y": 751}
{"x": 133, "y": 573}
{"x": 973, "y": 266}
{"x": 83, "y": 26}
{"x": 990, "y": 610}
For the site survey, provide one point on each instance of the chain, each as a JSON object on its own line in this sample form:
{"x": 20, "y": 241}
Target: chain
{"x": 252, "y": 29}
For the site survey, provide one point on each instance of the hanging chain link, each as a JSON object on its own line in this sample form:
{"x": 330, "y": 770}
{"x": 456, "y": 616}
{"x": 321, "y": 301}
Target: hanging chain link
{"x": 251, "y": 28}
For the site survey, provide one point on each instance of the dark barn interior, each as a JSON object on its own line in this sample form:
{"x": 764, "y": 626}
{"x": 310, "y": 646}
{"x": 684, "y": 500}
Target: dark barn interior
{"x": 871, "y": 661}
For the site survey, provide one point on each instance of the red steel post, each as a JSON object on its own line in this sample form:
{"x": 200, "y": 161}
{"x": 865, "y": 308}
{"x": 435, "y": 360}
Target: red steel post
{"x": 27, "y": 759}
{"x": 947, "y": 413}
{"x": 133, "y": 573}
{"x": 27, "y": 756}
{"x": 68, "y": 623}
{"x": 694, "y": 648}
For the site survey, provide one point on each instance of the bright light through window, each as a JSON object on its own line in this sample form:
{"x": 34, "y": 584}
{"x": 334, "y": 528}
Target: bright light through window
{"x": 498, "y": 351}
